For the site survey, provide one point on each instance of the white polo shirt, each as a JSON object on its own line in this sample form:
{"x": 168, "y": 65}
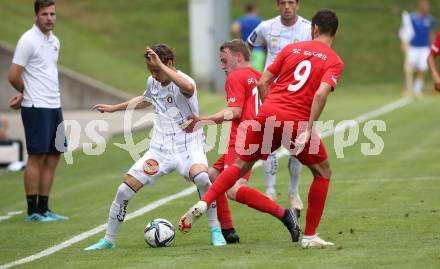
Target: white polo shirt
{"x": 274, "y": 35}
{"x": 38, "y": 54}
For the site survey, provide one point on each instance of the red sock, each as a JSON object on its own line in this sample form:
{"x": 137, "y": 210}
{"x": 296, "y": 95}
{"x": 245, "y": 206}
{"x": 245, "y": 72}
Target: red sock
{"x": 317, "y": 196}
{"x": 255, "y": 199}
{"x": 222, "y": 183}
{"x": 223, "y": 212}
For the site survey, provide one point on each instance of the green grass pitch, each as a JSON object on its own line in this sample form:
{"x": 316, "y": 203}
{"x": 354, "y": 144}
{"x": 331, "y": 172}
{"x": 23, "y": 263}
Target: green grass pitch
{"x": 382, "y": 211}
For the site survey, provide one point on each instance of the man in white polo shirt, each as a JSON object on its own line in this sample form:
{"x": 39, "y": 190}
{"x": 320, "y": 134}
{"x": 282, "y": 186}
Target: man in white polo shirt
{"x": 274, "y": 34}
{"x": 34, "y": 75}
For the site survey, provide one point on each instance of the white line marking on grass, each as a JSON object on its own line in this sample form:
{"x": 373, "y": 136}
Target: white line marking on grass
{"x": 343, "y": 180}
{"x": 362, "y": 118}
{"x": 100, "y": 228}
{"x": 10, "y": 215}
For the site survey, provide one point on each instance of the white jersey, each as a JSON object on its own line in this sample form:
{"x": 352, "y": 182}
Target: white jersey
{"x": 274, "y": 35}
{"x": 38, "y": 54}
{"x": 171, "y": 149}
{"x": 172, "y": 108}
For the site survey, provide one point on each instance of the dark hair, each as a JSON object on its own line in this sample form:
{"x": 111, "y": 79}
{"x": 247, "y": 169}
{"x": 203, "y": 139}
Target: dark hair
{"x": 237, "y": 46}
{"x": 42, "y": 3}
{"x": 164, "y": 52}
{"x": 327, "y": 21}
{"x": 278, "y": 1}
{"x": 250, "y": 7}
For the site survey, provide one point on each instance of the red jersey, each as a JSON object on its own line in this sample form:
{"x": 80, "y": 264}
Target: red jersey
{"x": 300, "y": 68}
{"x": 435, "y": 47}
{"x": 241, "y": 91}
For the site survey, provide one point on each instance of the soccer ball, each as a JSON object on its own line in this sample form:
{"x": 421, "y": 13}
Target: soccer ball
{"x": 159, "y": 233}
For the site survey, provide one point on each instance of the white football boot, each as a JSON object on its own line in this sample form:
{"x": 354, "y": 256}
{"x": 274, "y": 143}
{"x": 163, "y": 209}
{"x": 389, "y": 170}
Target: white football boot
{"x": 192, "y": 215}
{"x": 313, "y": 241}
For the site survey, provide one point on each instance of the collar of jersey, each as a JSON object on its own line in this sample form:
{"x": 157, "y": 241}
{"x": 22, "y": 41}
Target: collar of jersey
{"x": 41, "y": 34}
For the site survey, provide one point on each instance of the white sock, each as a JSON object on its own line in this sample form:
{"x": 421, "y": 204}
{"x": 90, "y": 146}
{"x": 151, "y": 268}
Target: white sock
{"x": 309, "y": 237}
{"x": 295, "y": 168}
{"x": 118, "y": 210}
{"x": 270, "y": 167}
{"x": 203, "y": 183}
{"x": 418, "y": 86}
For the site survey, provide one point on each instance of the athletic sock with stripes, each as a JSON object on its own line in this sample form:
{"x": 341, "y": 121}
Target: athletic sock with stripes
{"x": 118, "y": 210}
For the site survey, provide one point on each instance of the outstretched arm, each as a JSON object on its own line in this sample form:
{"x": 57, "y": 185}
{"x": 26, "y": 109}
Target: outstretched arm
{"x": 226, "y": 114}
{"x": 134, "y": 103}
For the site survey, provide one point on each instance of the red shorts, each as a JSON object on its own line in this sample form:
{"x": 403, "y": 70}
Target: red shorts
{"x": 226, "y": 160}
{"x": 257, "y": 145}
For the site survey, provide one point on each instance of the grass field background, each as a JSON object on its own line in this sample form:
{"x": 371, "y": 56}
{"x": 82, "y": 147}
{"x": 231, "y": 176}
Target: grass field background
{"x": 105, "y": 40}
{"x": 382, "y": 212}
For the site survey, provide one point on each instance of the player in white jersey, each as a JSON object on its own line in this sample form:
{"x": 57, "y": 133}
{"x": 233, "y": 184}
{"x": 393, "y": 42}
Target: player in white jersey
{"x": 275, "y": 34}
{"x": 174, "y": 97}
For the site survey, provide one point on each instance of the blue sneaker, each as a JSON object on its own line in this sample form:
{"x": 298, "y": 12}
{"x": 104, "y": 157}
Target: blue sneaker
{"x": 102, "y": 244}
{"x": 35, "y": 217}
{"x": 217, "y": 238}
{"x": 54, "y": 215}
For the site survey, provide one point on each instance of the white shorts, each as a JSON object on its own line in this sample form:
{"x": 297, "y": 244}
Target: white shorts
{"x": 156, "y": 163}
{"x": 418, "y": 58}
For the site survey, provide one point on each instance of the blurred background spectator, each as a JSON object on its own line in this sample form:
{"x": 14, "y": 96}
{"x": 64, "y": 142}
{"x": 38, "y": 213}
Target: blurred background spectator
{"x": 416, "y": 33}
{"x": 243, "y": 27}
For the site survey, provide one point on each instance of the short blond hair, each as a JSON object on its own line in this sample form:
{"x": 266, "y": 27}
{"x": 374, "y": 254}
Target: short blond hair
{"x": 237, "y": 46}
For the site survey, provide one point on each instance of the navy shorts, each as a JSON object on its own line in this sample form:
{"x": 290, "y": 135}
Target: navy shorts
{"x": 44, "y": 130}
